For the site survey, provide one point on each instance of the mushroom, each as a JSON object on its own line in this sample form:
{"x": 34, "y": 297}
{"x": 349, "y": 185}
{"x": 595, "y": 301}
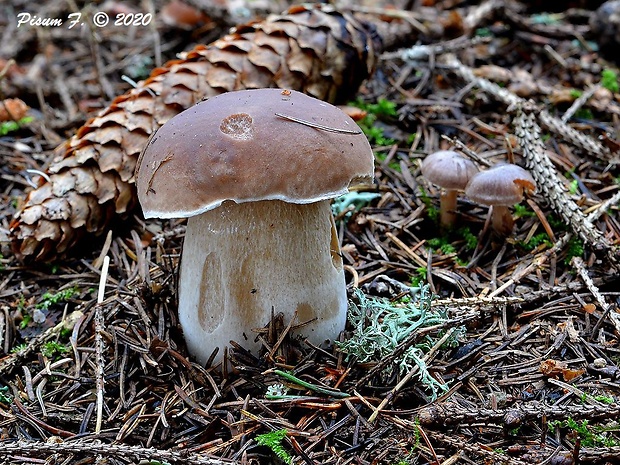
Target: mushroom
{"x": 500, "y": 187}
{"x": 450, "y": 171}
{"x": 254, "y": 171}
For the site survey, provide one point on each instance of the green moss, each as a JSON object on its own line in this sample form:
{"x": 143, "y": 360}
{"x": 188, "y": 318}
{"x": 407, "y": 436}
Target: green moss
{"x": 573, "y": 249}
{"x": 442, "y": 245}
{"x": 584, "y": 113}
{"x": 383, "y": 108}
{"x": 273, "y": 440}
{"x": 7, "y": 127}
{"x": 431, "y": 210}
{"x": 49, "y": 299}
{"x": 471, "y": 241}
{"x": 18, "y": 348}
{"x": 51, "y": 349}
{"x": 535, "y": 241}
{"x": 609, "y": 80}
{"x": 521, "y": 211}
{"x": 590, "y": 436}
{"x": 419, "y": 277}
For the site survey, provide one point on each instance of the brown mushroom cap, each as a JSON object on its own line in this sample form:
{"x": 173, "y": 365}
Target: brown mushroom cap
{"x": 246, "y": 146}
{"x": 448, "y": 169}
{"x": 501, "y": 185}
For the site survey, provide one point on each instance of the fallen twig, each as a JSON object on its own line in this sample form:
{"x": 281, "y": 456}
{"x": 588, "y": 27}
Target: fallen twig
{"x": 96, "y": 447}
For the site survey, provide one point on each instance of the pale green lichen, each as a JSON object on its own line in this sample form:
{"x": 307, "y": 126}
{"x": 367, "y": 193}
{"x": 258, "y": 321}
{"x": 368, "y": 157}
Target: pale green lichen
{"x": 379, "y": 326}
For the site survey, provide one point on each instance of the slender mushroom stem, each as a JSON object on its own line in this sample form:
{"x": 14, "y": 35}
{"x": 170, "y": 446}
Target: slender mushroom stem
{"x": 447, "y": 208}
{"x": 501, "y": 220}
{"x": 241, "y": 261}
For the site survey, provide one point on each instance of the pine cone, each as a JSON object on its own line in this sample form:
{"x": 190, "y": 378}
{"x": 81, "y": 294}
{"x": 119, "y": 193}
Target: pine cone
{"x": 315, "y": 50}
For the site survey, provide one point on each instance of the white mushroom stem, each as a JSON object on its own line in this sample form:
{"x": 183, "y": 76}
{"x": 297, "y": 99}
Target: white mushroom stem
{"x": 501, "y": 220}
{"x": 447, "y": 207}
{"x": 240, "y": 261}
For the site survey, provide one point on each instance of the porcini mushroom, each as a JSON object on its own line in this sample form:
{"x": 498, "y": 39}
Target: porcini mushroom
{"x": 500, "y": 187}
{"x": 450, "y": 171}
{"x": 254, "y": 171}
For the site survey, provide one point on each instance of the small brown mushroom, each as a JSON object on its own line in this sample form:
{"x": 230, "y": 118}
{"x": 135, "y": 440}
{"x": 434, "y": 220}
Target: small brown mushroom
{"x": 500, "y": 187}
{"x": 450, "y": 171}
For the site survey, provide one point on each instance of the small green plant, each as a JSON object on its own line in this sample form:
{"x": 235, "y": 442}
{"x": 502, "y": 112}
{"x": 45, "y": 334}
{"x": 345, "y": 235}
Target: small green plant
{"x": 417, "y": 436}
{"x": 556, "y": 223}
{"x": 585, "y": 114}
{"x": 52, "y": 267}
{"x": 22, "y": 307}
{"x": 573, "y": 187}
{"x": 609, "y": 80}
{"x": 535, "y": 241}
{"x": 383, "y": 108}
{"x": 18, "y": 348}
{"x": 49, "y": 299}
{"x": 591, "y": 436}
{"x": 7, "y": 127}
{"x": 26, "y": 320}
{"x": 471, "y": 241}
{"x": 447, "y": 248}
{"x": 521, "y": 211}
{"x": 573, "y": 249}
{"x": 575, "y": 93}
{"x": 273, "y": 440}
{"x": 605, "y": 399}
{"x": 408, "y": 458}
{"x": 375, "y": 134}
{"x": 393, "y": 163}
{"x": 431, "y": 210}
{"x": 419, "y": 277}
{"x": 51, "y": 349}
